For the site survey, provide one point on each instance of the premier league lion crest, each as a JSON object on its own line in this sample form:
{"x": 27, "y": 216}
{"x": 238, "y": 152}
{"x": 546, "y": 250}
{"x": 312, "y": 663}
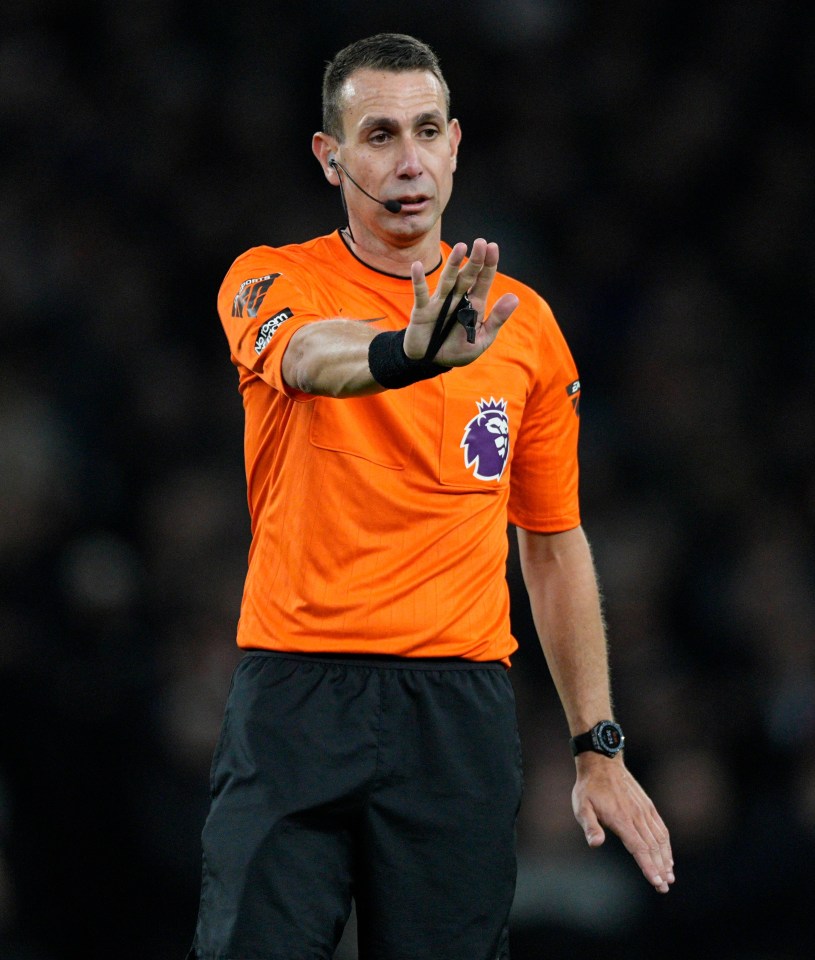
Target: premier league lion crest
{"x": 486, "y": 440}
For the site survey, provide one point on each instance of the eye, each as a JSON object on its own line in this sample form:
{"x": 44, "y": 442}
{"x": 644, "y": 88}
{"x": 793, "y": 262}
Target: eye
{"x": 429, "y": 133}
{"x": 380, "y": 136}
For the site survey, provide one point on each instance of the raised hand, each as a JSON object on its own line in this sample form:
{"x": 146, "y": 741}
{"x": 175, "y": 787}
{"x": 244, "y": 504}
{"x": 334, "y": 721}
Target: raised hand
{"x": 474, "y": 278}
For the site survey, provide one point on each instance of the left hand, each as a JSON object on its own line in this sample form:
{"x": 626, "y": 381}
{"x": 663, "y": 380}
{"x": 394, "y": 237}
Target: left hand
{"x": 606, "y": 794}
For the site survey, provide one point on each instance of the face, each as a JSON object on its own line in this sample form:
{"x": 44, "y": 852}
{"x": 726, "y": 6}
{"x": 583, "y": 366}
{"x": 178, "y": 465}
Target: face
{"x": 397, "y": 145}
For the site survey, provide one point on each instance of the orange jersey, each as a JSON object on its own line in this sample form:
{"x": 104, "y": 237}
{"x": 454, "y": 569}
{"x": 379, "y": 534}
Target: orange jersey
{"x": 379, "y": 523}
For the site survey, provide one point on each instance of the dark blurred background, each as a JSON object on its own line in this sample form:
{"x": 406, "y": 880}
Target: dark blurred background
{"x": 648, "y": 166}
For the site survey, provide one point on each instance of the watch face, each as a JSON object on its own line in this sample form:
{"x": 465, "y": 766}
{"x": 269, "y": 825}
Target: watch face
{"x": 610, "y": 737}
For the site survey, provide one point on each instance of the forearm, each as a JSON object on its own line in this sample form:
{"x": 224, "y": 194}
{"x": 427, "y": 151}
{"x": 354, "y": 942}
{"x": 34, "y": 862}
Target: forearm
{"x": 330, "y": 358}
{"x": 560, "y": 579}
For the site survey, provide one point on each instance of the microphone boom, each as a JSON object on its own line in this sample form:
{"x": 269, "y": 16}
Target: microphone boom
{"x": 392, "y": 206}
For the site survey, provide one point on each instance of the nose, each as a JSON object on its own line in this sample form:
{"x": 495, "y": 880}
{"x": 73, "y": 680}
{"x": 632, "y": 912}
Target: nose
{"x": 409, "y": 165}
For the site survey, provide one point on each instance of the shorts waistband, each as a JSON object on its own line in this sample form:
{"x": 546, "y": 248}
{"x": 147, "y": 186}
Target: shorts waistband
{"x": 382, "y": 661}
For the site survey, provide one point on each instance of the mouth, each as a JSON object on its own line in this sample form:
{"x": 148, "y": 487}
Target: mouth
{"x": 413, "y": 203}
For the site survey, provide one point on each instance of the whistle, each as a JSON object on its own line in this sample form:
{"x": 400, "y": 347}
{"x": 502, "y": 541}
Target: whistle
{"x": 467, "y": 316}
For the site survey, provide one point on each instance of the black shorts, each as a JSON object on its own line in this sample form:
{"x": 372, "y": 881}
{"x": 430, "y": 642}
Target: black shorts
{"x": 393, "y": 781}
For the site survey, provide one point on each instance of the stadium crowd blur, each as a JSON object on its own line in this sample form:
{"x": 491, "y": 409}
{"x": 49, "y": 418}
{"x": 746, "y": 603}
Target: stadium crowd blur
{"x": 649, "y": 167}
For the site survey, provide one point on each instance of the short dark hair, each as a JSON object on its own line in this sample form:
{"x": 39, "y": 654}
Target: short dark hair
{"x": 396, "y": 52}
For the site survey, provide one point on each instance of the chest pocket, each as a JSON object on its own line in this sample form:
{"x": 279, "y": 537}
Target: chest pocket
{"x": 379, "y": 429}
{"x": 481, "y": 419}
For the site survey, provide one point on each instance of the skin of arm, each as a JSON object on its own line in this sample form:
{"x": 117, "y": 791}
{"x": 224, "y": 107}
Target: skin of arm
{"x": 560, "y": 579}
{"x": 330, "y": 358}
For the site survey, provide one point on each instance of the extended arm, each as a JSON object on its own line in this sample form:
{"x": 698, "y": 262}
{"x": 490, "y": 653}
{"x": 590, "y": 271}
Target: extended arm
{"x": 560, "y": 579}
{"x": 330, "y": 358}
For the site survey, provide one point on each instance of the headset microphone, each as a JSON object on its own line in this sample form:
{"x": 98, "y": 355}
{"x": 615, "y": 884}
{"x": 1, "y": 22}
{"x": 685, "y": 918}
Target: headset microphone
{"x": 392, "y": 206}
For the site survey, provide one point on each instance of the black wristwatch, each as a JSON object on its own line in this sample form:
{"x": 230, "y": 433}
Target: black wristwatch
{"x": 605, "y": 737}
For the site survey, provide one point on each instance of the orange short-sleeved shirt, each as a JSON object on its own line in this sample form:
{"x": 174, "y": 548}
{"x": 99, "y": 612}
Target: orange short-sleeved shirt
{"x": 379, "y": 524}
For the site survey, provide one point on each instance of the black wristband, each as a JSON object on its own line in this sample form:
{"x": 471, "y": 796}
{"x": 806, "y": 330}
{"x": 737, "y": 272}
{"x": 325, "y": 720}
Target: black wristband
{"x": 392, "y": 368}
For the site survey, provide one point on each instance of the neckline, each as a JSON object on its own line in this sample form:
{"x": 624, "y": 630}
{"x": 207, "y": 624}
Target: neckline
{"x": 384, "y": 273}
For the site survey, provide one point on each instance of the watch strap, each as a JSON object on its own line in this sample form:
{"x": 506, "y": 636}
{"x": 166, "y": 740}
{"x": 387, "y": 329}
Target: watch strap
{"x": 581, "y": 743}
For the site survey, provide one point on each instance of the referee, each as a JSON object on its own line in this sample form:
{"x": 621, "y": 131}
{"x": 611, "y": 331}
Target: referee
{"x": 404, "y": 402}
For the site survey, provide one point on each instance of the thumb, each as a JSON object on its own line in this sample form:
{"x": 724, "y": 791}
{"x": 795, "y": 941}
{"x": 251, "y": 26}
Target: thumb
{"x": 503, "y": 308}
{"x": 594, "y": 833}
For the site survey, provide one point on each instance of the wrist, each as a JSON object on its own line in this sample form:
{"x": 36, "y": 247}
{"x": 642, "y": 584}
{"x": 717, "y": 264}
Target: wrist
{"x": 605, "y": 738}
{"x": 392, "y": 368}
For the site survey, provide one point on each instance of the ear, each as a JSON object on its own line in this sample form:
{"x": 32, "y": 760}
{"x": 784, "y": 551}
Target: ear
{"x": 454, "y": 138}
{"x": 324, "y": 147}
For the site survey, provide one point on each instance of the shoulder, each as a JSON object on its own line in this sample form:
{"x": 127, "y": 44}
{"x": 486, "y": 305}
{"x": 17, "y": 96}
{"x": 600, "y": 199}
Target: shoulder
{"x": 532, "y": 337}
{"x": 530, "y": 300}
{"x": 292, "y": 257}
{"x": 533, "y": 320}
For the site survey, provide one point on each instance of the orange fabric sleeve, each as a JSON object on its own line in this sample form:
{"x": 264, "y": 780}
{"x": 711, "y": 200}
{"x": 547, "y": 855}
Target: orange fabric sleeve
{"x": 544, "y": 489}
{"x": 262, "y": 302}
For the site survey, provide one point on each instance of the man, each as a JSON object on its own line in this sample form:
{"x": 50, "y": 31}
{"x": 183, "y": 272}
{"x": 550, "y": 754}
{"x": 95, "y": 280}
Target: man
{"x": 369, "y": 746}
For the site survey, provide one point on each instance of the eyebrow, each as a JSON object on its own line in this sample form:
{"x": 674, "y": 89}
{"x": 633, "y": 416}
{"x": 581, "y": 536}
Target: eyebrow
{"x": 391, "y": 123}
{"x": 432, "y": 116}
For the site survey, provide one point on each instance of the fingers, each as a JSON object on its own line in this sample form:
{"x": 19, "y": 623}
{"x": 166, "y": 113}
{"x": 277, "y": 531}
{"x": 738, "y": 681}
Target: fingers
{"x": 647, "y": 841}
{"x": 447, "y": 279}
{"x": 475, "y": 276}
{"x": 451, "y": 274}
{"x": 486, "y": 274}
{"x": 421, "y": 295}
